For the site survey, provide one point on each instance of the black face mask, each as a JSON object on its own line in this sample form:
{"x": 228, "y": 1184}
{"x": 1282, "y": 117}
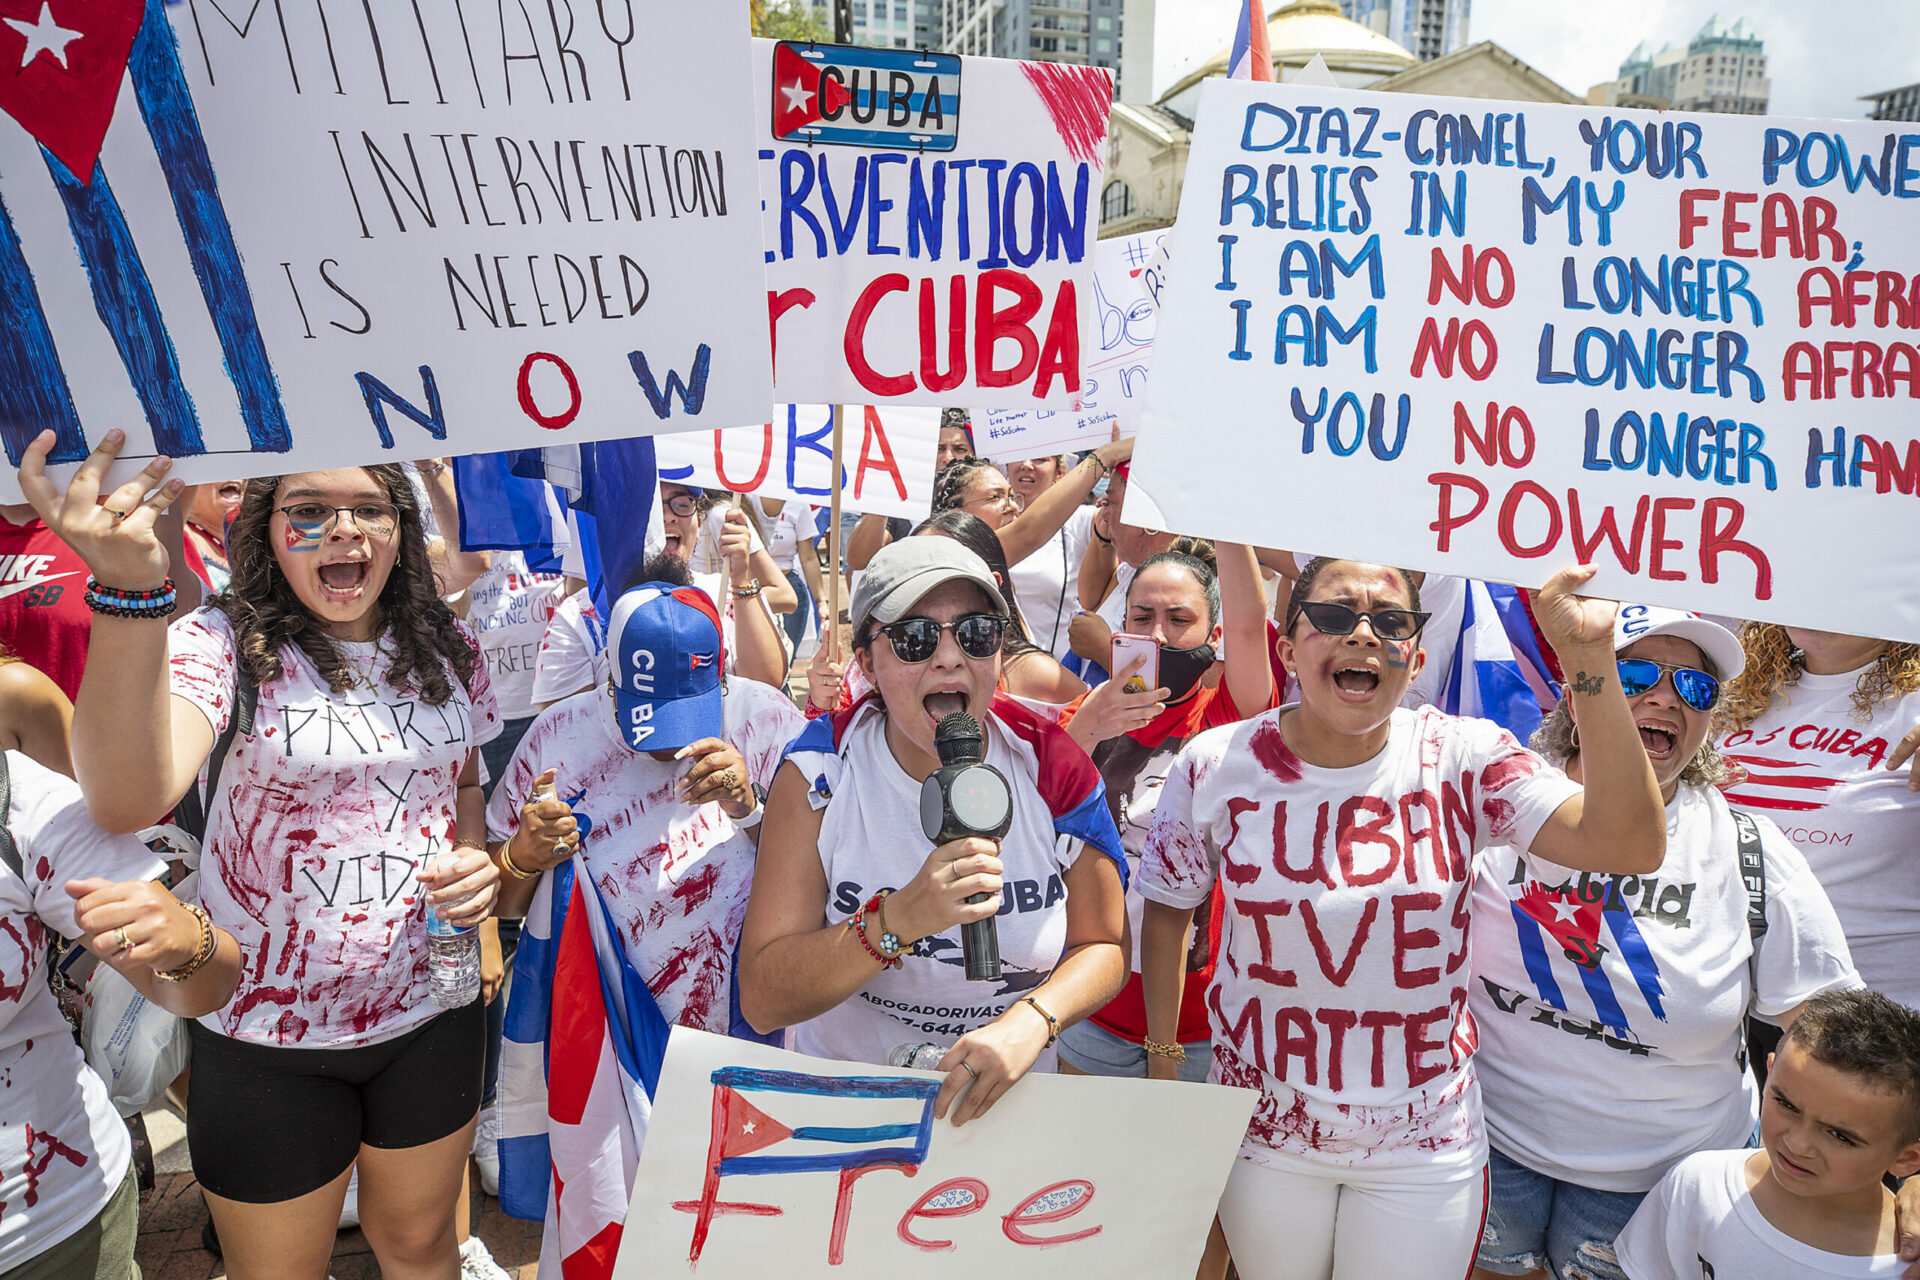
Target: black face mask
{"x": 1181, "y": 669}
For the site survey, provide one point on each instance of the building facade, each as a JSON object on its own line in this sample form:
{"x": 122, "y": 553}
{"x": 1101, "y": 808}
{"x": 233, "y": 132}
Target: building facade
{"x": 889, "y": 24}
{"x": 1723, "y": 68}
{"x": 1082, "y": 31}
{"x": 1895, "y": 104}
{"x": 1427, "y": 29}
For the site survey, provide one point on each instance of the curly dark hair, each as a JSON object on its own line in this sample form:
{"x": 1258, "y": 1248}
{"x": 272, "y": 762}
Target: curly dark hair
{"x": 1774, "y": 662}
{"x": 419, "y": 634}
{"x": 1865, "y": 1034}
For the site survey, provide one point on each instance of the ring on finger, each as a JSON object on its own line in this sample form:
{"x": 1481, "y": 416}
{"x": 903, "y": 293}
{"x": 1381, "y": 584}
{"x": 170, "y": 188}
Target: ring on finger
{"x": 120, "y": 934}
{"x": 970, "y": 1070}
{"x": 562, "y": 849}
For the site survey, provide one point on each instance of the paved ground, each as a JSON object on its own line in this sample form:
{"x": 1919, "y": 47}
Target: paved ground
{"x": 173, "y": 1213}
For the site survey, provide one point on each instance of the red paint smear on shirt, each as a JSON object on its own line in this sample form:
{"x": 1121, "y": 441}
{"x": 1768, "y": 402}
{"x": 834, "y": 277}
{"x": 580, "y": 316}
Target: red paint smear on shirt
{"x": 1509, "y": 768}
{"x": 696, "y": 889}
{"x": 1273, "y": 753}
{"x": 1079, "y": 99}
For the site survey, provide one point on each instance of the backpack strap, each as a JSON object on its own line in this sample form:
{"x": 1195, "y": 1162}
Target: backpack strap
{"x": 9, "y": 852}
{"x": 1753, "y": 873}
{"x": 191, "y": 814}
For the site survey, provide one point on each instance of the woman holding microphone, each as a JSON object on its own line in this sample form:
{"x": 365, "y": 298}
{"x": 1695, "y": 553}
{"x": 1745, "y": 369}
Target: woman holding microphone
{"x": 852, "y": 936}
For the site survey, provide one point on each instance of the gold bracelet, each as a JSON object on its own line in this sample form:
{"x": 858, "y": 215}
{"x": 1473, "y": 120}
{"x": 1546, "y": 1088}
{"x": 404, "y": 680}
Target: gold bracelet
{"x": 201, "y": 954}
{"x": 1053, "y": 1023}
{"x": 512, "y": 868}
{"x": 1172, "y": 1050}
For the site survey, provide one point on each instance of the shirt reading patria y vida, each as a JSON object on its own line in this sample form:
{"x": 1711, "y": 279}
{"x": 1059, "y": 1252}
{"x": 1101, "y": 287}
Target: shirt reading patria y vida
{"x": 1340, "y": 992}
{"x": 325, "y": 815}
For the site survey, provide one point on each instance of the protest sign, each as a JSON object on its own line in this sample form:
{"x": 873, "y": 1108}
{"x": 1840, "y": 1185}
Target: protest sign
{"x": 265, "y": 238}
{"x": 1116, "y": 343}
{"x": 887, "y": 470}
{"x": 929, "y": 223}
{"x": 760, "y": 1162}
{"x": 1498, "y": 338}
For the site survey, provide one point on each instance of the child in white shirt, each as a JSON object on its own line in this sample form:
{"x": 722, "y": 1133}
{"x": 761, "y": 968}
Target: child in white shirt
{"x": 1842, "y": 1109}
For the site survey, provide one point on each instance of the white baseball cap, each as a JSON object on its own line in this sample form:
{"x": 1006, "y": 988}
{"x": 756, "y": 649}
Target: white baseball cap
{"x": 1635, "y": 622}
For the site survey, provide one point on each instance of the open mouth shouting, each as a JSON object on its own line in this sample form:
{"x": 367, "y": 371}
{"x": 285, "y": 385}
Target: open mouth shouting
{"x": 943, "y": 703}
{"x": 343, "y": 581}
{"x": 1356, "y": 681}
{"x": 1661, "y": 738}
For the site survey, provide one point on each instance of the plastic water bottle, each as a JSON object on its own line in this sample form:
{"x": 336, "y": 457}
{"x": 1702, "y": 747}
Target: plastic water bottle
{"x": 453, "y": 962}
{"x": 919, "y": 1057}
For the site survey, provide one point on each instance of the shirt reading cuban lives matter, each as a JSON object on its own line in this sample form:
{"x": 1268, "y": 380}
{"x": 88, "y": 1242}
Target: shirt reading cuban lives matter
{"x": 325, "y": 814}
{"x": 63, "y": 1150}
{"x": 1341, "y": 988}
{"x": 675, "y": 875}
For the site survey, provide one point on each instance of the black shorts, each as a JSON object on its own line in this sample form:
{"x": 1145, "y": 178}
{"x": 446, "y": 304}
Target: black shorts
{"x": 266, "y": 1124}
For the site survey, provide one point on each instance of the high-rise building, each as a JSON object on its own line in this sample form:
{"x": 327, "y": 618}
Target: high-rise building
{"x": 888, "y": 24}
{"x": 1723, "y": 68}
{"x": 1895, "y": 104}
{"x": 1428, "y": 29}
{"x": 1084, "y": 31}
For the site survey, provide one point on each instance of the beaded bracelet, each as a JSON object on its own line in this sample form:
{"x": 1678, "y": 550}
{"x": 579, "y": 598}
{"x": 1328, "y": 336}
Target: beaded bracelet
{"x": 132, "y": 602}
{"x": 1053, "y": 1023}
{"x": 1172, "y": 1049}
{"x": 859, "y": 926}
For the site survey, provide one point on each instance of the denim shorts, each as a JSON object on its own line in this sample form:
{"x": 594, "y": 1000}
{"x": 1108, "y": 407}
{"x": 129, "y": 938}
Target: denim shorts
{"x": 1538, "y": 1223}
{"x": 1086, "y": 1046}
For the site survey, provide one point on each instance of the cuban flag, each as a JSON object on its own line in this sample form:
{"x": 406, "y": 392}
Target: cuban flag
{"x": 1250, "y": 59}
{"x": 1567, "y": 941}
{"x": 1054, "y": 762}
{"x": 584, "y": 1042}
{"x": 875, "y": 1121}
{"x": 1499, "y": 671}
{"x": 502, "y": 511}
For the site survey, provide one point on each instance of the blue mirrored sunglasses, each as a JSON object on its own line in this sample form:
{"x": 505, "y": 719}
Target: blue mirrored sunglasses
{"x": 1696, "y": 688}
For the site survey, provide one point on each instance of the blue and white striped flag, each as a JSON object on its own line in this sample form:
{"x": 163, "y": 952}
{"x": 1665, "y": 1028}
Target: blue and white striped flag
{"x": 1498, "y": 671}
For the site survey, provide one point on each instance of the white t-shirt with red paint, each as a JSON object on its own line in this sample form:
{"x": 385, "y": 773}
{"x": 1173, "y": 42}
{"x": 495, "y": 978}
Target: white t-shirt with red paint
{"x": 675, "y": 876}
{"x": 1819, "y": 771}
{"x": 508, "y": 610}
{"x": 1341, "y": 988}
{"x": 63, "y": 1149}
{"x": 325, "y": 815}
{"x": 1611, "y": 1009}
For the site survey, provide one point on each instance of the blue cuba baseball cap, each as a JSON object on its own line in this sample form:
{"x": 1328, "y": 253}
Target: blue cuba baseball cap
{"x": 668, "y": 666}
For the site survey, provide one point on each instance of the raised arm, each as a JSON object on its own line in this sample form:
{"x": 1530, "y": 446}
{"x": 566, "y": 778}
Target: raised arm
{"x": 1618, "y": 823}
{"x": 1035, "y": 527}
{"x": 1244, "y": 608}
{"x": 136, "y": 747}
{"x": 456, "y": 569}
{"x": 869, "y": 535}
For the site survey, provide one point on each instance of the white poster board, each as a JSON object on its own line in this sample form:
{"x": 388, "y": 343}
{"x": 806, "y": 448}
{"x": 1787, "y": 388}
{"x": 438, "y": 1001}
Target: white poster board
{"x": 1494, "y": 339}
{"x": 887, "y": 467}
{"x": 269, "y": 237}
{"x": 930, "y": 222}
{"x": 1117, "y": 339}
{"x": 760, "y": 1162}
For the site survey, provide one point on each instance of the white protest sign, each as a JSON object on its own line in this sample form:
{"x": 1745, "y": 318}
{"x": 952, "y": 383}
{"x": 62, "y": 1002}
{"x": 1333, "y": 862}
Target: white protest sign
{"x": 887, "y": 468}
{"x": 264, "y": 238}
{"x": 1117, "y": 345}
{"x": 1495, "y": 338}
{"x": 930, "y": 221}
{"x": 761, "y": 1162}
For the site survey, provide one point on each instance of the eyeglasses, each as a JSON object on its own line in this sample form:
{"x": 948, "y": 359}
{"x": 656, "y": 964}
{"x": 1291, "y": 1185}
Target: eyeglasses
{"x": 317, "y": 519}
{"x": 1696, "y": 688}
{"x": 683, "y": 504}
{"x": 979, "y": 635}
{"x": 1333, "y": 619}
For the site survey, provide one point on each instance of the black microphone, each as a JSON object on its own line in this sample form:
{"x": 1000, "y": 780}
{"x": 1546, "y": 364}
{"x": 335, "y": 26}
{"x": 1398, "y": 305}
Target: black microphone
{"x": 966, "y": 796}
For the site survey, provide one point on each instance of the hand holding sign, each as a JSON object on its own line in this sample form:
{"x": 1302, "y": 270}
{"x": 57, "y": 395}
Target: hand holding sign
{"x": 115, "y": 537}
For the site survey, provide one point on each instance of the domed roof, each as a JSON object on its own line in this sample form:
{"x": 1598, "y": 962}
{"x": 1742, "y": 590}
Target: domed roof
{"x": 1297, "y": 31}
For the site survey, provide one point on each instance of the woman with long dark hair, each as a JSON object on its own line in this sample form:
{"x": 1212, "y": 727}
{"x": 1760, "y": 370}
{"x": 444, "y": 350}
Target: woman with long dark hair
{"x": 347, "y": 810}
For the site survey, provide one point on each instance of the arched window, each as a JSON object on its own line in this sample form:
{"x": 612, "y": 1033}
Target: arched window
{"x": 1116, "y": 201}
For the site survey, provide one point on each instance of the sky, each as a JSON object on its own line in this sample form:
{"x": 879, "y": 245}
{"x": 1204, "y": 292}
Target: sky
{"x": 1821, "y": 54}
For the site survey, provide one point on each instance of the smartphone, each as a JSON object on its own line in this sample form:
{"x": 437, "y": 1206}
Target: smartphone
{"x": 1128, "y": 649}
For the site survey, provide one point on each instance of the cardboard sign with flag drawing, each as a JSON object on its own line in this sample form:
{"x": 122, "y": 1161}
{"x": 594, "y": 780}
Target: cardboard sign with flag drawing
{"x": 929, "y": 223}
{"x": 764, "y": 1162}
{"x": 265, "y": 238}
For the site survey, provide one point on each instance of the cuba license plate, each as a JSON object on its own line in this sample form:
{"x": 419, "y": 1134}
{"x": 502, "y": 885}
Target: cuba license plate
{"x": 845, "y": 95}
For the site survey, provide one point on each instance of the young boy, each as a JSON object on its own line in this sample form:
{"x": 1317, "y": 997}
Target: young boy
{"x": 1842, "y": 1109}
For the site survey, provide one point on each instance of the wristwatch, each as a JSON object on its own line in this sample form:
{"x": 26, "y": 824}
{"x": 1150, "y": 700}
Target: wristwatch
{"x": 759, "y": 808}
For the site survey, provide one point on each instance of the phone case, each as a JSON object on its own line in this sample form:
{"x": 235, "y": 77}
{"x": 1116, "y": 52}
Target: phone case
{"x": 1126, "y": 648}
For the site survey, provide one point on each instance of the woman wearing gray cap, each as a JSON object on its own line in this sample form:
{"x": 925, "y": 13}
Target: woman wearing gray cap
{"x": 1611, "y": 1008}
{"x": 852, "y": 938}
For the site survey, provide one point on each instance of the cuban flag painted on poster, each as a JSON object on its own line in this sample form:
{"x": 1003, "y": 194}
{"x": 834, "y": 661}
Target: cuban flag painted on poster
{"x": 1250, "y": 59}
{"x": 1568, "y": 943}
{"x": 584, "y": 1042}
{"x": 1062, "y": 772}
{"x": 1499, "y": 672}
{"x": 875, "y": 1121}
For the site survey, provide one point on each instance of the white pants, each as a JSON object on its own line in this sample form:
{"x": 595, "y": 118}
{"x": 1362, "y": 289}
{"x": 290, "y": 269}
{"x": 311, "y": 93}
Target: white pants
{"x": 1349, "y": 1224}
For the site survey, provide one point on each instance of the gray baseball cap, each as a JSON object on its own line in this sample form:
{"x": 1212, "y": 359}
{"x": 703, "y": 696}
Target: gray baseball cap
{"x": 902, "y": 572}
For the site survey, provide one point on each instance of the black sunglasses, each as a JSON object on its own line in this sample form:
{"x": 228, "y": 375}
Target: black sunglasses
{"x": 979, "y": 635}
{"x": 1696, "y": 688}
{"x": 1333, "y": 619}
